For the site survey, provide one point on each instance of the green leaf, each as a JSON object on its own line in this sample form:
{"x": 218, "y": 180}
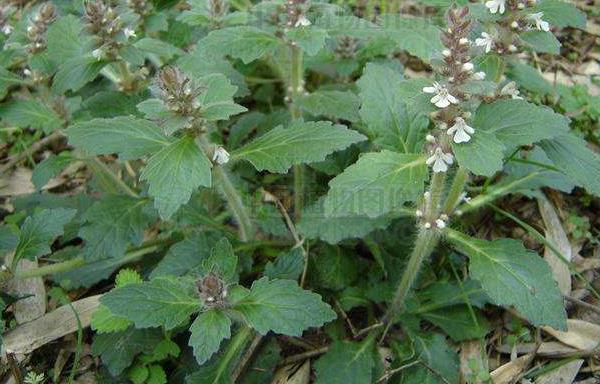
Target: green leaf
{"x": 513, "y": 276}
{"x": 561, "y": 14}
{"x": 287, "y": 265}
{"x": 221, "y": 261}
{"x": 314, "y": 224}
{"x": 352, "y": 26}
{"x": 283, "y": 307}
{"x": 127, "y": 136}
{"x": 8, "y": 79}
{"x": 185, "y": 256}
{"x": 174, "y": 173}
{"x": 579, "y": 163}
{"x": 103, "y": 320}
{"x": 156, "y": 375}
{"x": 301, "y": 142}
{"x": 417, "y": 36}
{"x": 73, "y": 74}
{"x": 158, "y": 47}
{"x": 458, "y": 322}
{"x": 517, "y": 122}
{"x": 333, "y": 104}
{"x": 384, "y": 111}
{"x": 347, "y": 362}
{"x": 114, "y": 223}
{"x": 118, "y": 349}
{"x": 433, "y": 351}
{"x": 39, "y": 231}
{"x": 311, "y": 39}
{"x": 164, "y": 301}
{"x": 540, "y": 41}
{"x": 216, "y": 101}
{"x": 482, "y": 155}
{"x": 262, "y": 368}
{"x": 245, "y": 43}
{"x": 66, "y": 39}
{"x": 529, "y": 78}
{"x": 30, "y": 113}
{"x": 335, "y": 269}
{"x": 378, "y": 183}
{"x": 208, "y": 331}
{"x": 49, "y": 168}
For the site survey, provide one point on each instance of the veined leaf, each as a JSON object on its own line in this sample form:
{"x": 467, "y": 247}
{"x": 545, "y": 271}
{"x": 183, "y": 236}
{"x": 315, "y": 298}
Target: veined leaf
{"x": 127, "y": 136}
{"x": 561, "y": 13}
{"x": 513, "y": 276}
{"x": 174, "y": 173}
{"x": 347, "y": 362}
{"x": 49, "y": 168}
{"x": 73, "y": 74}
{"x": 186, "y": 256}
{"x": 541, "y": 41}
{"x": 208, "y": 331}
{"x": 311, "y": 39}
{"x": 164, "y": 301}
{"x": 216, "y": 101}
{"x": 301, "y": 142}
{"x": 333, "y": 104}
{"x": 384, "y": 111}
{"x": 517, "y": 122}
{"x": 39, "y": 231}
{"x": 283, "y": 307}
{"x": 245, "y": 43}
{"x": 482, "y": 155}
{"x": 103, "y": 321}
{"x": 580, "y": 164}
{"x": 286, "y": 266}
{"x": 433, "y": 350}
{"x": 417, "y": 36}
{"x": 378, "y": 183}
{"x": 30, "y": 113}
{"x": 7, "y": 79}
{"x": 66, "y": 39}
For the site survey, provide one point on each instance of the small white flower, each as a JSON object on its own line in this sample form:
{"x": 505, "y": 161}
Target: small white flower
{"x": 486, "y": 40}
{"x": 440, "y": 160}
{"x": 512, "y": 48}
{"x": 430, "y": 138}
{"x": 446, "y": 53}
{"x": 97, "y": 53}
{"x": 27, "y": 72}
{"x": 441, "y": 224}
{"x": 464, "y": 41}
{"x": 467, "y": 67}
{"x": 461, "y": 131}
{"x": 427, "y": 225}
{"x": 221, "y": 156}
{"x": 478, "y": 76}
{"x": 7, "y": 29}
{"x": 539, "y": 23}
{"x": 496, "y": 6}
{"x": 129, "y": 32}
{"x": 442, "y": 97}
{"x": 444, "y": 217}
{"x": 302, "y": 22}
{"x": 514, "y": 24}
{"x": 511, "y": 90}
{"x": 418, "y": 213}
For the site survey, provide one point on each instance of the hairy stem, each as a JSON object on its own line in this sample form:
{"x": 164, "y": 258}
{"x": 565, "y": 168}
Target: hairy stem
{"x": 297, "y": 87}
{"x": 235, "y": 203}
{"x": 234, "y": 348}
{"x": 456, "y": 190}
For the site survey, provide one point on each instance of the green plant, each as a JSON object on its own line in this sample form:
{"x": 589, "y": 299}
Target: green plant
{"x": 232, "y": 159}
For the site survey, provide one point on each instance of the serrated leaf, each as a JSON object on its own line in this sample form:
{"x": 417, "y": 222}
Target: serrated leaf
{"x": 378, "y": 183}
{"x": 579, "y": 163}
{"x": 174, "y": 172}
{"x": 164, "y": 301}
{"x": 103, "y": 320}
{"x": 49, "y": 168}
{"x": 158, "y": 47}
{"x": 186, "y": 255}
{"x": 118, "y": 349}
{"x": 301, "y": 142}
{"x": 8, "y": 79}
{"x": 156, "y": 375}
{"x": 513, "y": 276}
{"x": 127, "y": 136}
{"x": 517, "y": 122}
{"x": 283, "y": 307}
{"x": 433, "y": 350}
{"x": 66, "y": 39}
{"x": 30, "y": 113}
{"x": 245, "y": 43}
{"x": 113, "y": 224}
{"x": 73, "y": 74}
{"x": 335, "y": 269}
{"x": 482, "y": 155}
{"x": 384, "y": 111}
{"x": 540, "y": 41}
{"x": 345, "y": 25}
{"x": 39, "y": 231}
{"x": 458, "y": 322}
{"x": 561, "y": 14}
{"x": 347, "y": 362}
{"x": 529, "y": 78}
{"x": 311, "y": 39}
{"x": 287, "y": 265}
{"x": 419, "y": 37}
{"x": 216, "y": 101}
{"x": 208, "y": 331}
{"x": 221, "y": 261}
{"x": 333, "y": 104}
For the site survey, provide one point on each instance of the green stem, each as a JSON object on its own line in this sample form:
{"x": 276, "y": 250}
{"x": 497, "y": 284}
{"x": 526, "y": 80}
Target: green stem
{"x": 234, "y": 348}
{"x": 436, "y": 189}
{"x": 297, "y": 87}
{"x": 235, "y": 203}
{"x": 456, "y": 190}
{"x": 100, "y": 167}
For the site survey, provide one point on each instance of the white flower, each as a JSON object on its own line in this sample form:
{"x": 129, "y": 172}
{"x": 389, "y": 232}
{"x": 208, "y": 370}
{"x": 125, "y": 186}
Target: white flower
{"x": 97, "y": 53}
{"x": 7, "y": 29}
{"x": 440, "y": 160}
{"x": 496, "y": 5}
{"x": 511, "y": 90}
{"x": 441, "y": 224}
{"x": 129, "y": 32}
{"x": 461, "y": 131}
{"x": 486, "y": 41}
{"x": 467, "y": 67}
{"x": 464, "y": 41}
{"x": 442, "y": 98}
{"x": 478, "y": 76}
{"x": 221, "y": 156}
{"x": 302, "y": 22}
{"x": 446, "y": 52}
{"x": 539, "y": 23}
{"x": 430, "y": 139}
